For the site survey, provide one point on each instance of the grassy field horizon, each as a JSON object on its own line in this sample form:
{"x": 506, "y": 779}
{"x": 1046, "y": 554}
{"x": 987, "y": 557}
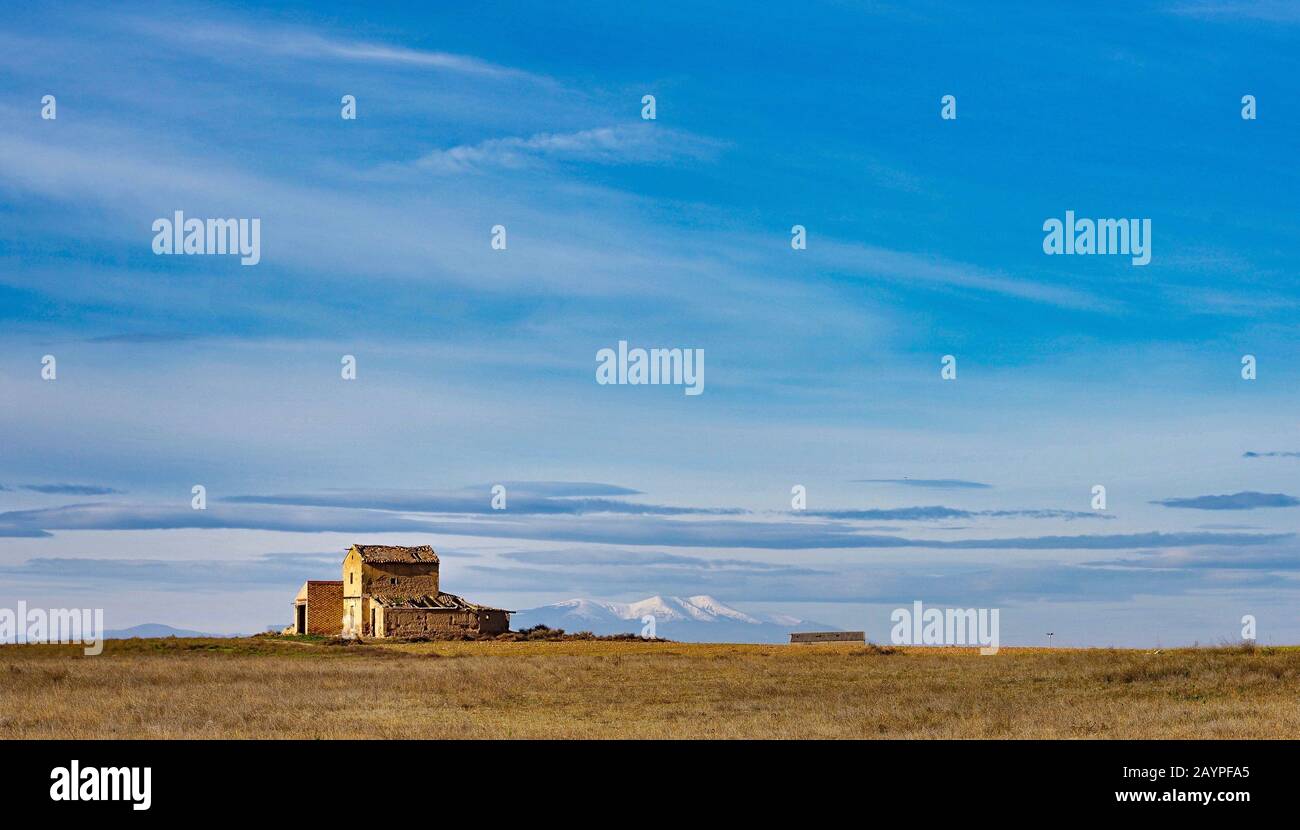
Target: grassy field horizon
{"x": 268, "y": 687}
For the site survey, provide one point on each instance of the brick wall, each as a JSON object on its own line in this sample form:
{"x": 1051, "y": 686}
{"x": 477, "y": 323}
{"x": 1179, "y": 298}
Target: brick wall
{"x": 325, "y": 608}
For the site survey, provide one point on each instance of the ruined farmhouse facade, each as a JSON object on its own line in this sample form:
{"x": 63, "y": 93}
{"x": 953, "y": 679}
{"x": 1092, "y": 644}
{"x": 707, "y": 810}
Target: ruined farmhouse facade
{"x": 391, "y": 591}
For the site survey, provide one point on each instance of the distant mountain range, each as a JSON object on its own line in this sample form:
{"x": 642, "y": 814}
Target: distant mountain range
{"x": 698, "y": 619}
{"x": 154, "y": 630}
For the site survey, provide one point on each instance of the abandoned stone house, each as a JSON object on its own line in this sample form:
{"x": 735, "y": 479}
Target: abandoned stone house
{"x": 390, "y": 591}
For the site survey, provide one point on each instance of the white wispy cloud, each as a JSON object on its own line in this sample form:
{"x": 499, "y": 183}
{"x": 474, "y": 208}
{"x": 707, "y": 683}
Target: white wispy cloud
{"x": 307, "y": 44}
{"x": 620, "y": 144}
{"x": 927, "y": 269}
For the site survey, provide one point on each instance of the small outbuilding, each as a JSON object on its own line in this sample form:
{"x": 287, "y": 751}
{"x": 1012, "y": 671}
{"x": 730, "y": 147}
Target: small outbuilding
{"x": 318, "y": 608}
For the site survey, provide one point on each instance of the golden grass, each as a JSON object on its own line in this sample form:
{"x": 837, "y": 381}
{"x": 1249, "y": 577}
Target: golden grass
{"x": 264, "y": 687}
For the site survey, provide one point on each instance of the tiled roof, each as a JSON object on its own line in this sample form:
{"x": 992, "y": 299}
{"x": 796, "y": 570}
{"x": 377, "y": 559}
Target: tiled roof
{"x": 393, "y": 553}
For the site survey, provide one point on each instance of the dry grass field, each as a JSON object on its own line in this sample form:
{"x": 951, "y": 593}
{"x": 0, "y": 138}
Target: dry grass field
{"x": 282, "y": 688}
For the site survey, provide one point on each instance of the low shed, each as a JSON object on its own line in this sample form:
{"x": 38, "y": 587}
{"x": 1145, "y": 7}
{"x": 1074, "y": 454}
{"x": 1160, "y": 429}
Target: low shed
{"x": 318, "y": 608}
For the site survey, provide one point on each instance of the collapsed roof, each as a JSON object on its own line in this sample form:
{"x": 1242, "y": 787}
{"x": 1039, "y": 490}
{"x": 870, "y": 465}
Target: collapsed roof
{"x": 449, "y": 602}
{"x": 395, "y": 553}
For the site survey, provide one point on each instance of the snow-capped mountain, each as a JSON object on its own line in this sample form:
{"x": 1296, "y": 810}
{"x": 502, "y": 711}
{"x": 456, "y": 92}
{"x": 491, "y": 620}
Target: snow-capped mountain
{"x": 698, "y": 619}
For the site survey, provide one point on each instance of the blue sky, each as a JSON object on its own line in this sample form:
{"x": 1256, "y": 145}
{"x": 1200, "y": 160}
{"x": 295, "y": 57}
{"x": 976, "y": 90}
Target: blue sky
{"x": 476, "y": 366}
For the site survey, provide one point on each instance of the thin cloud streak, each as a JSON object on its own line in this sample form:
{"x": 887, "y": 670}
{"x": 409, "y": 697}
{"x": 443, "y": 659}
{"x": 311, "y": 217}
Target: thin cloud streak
{"x": 938, "y": 512}
{"x": 635, "y": 530}
{"x": 929, "y": 483}
{"x": 1246, "y": 500}
{"x": 620, "y": 144}
{"x": 311, "y": 45}
{"x": 68, "y": 489}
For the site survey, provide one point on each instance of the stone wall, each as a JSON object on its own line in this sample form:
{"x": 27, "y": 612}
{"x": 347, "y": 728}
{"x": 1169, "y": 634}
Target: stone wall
{"x": 399, "y": 579}
{"x": 435, "y": 622}
{"x": 358, "y": 608}
{"x": 829, "y": 637}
